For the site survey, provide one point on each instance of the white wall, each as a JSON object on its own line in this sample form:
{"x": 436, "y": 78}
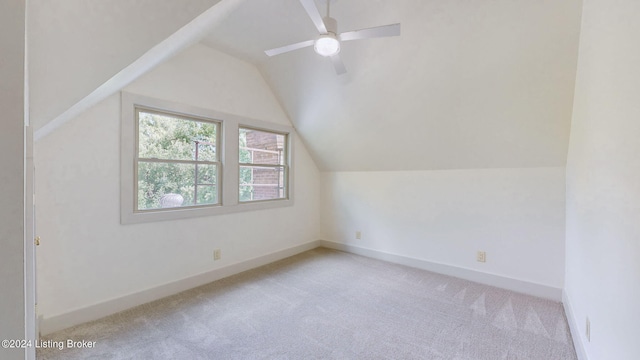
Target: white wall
{"x": 88, "y": 257}
{"x": 12, "y": 167}
{"x": 603, "y": 183}
{"x": 515, "y": 215}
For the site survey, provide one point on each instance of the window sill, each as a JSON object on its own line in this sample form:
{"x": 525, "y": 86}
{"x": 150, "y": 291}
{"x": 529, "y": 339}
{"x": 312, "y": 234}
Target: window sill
{"x": 187, "y": 213}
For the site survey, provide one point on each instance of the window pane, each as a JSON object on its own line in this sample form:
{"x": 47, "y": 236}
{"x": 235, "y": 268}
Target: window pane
{"x": 169, "y": 137}
{"x": 165, "y": 185}
{"x": 207, "y": 192}
{"x": 246, "y": 181}
{"x": 207, "y": 195}
{"x": 261, "y": 183}
{"x": 261, "y": 147}
{"x": 207, "y": 174}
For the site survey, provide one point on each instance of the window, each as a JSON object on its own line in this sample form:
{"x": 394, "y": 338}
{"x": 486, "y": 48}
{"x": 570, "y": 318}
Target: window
{"x": 177, "y": 161}
{"x": 263, "y": 165}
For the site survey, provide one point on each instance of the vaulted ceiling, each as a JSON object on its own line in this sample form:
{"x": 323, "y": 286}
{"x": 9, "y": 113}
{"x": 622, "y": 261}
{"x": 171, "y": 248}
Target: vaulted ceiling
{"x": 468, "y": 84}
{"x": 76, "y": 46}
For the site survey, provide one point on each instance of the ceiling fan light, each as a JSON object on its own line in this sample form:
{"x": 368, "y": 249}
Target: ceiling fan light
{"x": 327, "y": 45}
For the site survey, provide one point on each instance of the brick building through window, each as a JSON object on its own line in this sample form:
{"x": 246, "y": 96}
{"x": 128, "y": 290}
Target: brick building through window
{"x": 263, "y": 165}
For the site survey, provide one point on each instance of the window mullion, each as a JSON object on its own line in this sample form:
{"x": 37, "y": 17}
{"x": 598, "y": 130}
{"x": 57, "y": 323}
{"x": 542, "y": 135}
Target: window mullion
{"x": 172, "y": 161}
{"x": 263, "y": 165}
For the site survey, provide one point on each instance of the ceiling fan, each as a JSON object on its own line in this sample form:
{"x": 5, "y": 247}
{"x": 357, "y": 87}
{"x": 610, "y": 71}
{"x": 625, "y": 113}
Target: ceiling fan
{"x": 328, "y": 43}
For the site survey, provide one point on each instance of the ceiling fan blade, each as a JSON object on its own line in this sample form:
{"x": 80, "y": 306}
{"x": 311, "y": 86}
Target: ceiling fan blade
{"x": 284, "y": 49}
{"x": 374, "y": 32}
{"x": 338, "y": 64}
{"x": 314, "y": 14}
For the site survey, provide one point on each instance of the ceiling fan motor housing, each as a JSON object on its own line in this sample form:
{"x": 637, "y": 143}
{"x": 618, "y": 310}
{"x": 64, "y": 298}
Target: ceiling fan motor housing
{"x": 328, "y": 44}
{"x": 331, "y": 24}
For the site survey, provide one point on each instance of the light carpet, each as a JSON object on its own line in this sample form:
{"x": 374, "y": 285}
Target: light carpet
{"x": 325, "y": 304}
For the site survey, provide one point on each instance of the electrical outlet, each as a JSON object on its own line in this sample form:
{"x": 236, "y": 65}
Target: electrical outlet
{"x": 587, "y": 330}
{"x": 217, "y": 254}
{"x": 358, "y": 235}
{"x": 482, "y": 256}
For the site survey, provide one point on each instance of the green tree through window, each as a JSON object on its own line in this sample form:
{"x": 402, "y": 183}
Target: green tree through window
{"x": 177, "y": 162}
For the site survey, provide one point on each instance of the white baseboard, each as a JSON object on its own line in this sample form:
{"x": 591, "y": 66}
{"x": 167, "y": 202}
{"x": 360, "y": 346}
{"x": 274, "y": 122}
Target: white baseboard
{"x": 539, "y": 290}
{"x": 112, "y": 306}
{"x": 576, "y": 332}
{"x": 93, "y": 312}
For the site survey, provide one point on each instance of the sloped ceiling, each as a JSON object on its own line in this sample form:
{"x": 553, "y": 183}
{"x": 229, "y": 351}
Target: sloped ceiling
{"x": 77, "y": 45}
{"x": 468, "y": 84}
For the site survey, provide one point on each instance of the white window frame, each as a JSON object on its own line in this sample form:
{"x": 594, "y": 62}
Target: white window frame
{"x": 138, "y": 109}
{"x": 228, "y": 177}
{"x": 285, "y": 166}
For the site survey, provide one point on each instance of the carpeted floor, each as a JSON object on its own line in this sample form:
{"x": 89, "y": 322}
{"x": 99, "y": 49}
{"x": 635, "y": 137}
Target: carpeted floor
{"x": 325, "y": 304}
